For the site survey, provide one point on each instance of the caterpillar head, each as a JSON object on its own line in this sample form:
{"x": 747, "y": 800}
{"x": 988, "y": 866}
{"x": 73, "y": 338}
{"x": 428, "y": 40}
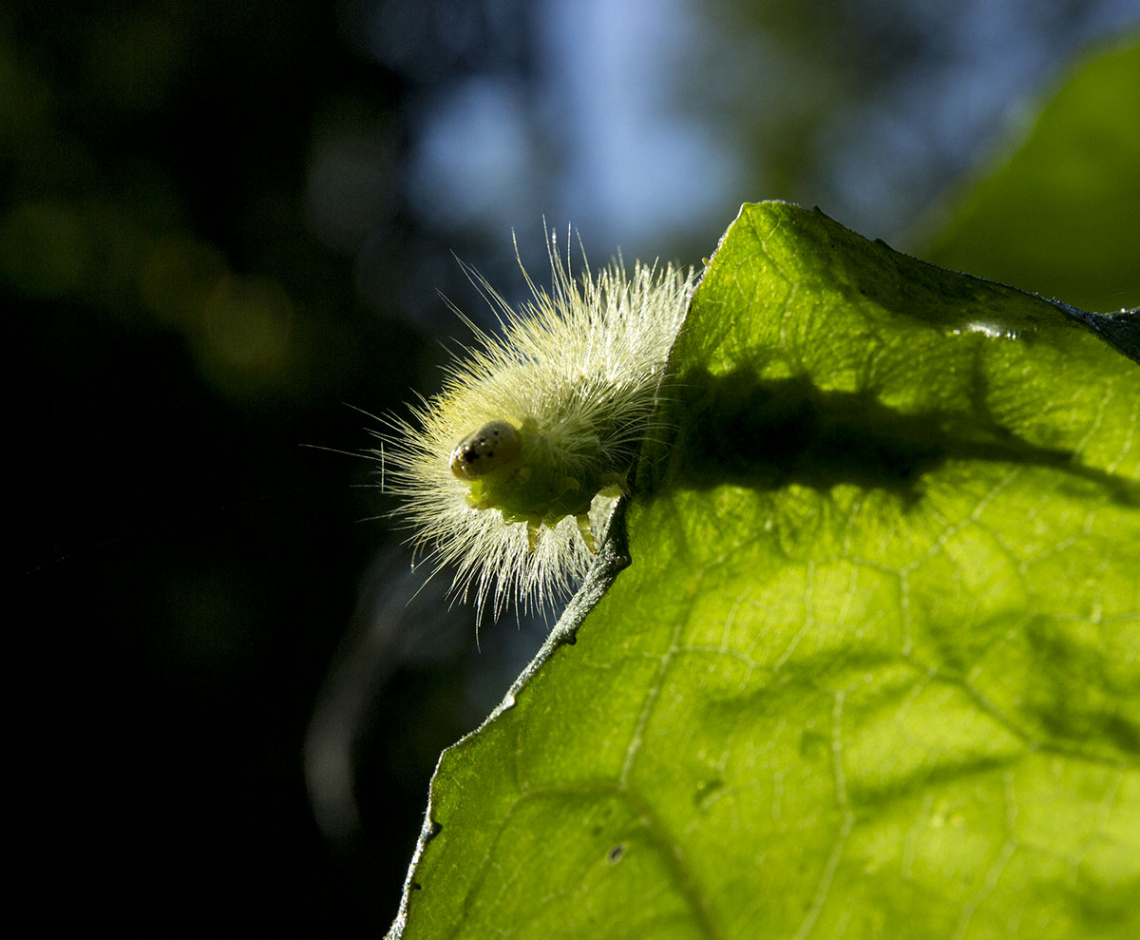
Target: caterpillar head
{"x": 495, "y": 446}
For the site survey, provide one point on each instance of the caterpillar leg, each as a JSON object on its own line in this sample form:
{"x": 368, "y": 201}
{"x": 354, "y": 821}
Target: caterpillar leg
{"x": 587, "y": 533}
{"x": 614, "y": 484}
{"x": 532, "y": 526}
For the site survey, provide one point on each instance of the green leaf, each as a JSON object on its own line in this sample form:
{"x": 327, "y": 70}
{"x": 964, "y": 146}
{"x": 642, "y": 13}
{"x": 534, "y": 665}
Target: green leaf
{"x": 1059, "y": 215}
{"x": 874, "y": 669}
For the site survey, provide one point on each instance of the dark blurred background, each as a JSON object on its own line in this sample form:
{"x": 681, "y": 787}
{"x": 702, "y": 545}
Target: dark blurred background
{"x": 222, "y": 223}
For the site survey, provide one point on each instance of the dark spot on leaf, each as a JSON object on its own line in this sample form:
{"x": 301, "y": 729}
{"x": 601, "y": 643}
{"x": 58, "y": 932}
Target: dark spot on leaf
{"x": 615, "y": 854}
{"x": 814, "y": 745}
{"x": 1123, "y": 733}
{"x": 706, "y": 792}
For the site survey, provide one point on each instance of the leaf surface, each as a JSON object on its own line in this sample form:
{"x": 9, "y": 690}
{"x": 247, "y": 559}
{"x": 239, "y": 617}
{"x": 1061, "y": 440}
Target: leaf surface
{"x": 874, "y": 668}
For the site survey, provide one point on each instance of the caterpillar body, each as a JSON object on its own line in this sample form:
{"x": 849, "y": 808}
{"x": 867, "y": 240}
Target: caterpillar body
{"x": 510, "y": 473}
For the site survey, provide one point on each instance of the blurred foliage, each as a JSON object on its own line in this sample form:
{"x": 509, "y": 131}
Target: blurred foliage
{"x": 154, "y": 161}
{"x": 183, "y": 570}
{"x": 1058, "y": 215}
{"x": 872, "y": 109}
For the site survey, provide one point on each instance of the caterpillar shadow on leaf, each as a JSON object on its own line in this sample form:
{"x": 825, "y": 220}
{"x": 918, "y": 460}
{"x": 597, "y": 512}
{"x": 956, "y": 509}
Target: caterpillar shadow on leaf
{"x": 767, "y": 434}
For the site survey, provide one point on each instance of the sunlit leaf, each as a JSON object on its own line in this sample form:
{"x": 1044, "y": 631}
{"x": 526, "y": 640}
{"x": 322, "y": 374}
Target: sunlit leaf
{"x": 874, "y": 668}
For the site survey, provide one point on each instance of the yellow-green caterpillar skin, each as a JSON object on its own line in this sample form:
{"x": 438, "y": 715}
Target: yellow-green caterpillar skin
{"x": 509, "y": 472}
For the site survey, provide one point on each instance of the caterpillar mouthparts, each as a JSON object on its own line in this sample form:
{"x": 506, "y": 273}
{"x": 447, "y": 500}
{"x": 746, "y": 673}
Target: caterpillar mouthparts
{"x": 510, "y": 472}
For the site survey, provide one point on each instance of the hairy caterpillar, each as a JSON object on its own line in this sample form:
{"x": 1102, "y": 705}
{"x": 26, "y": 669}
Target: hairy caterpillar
{"x": 511, "y": 471}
